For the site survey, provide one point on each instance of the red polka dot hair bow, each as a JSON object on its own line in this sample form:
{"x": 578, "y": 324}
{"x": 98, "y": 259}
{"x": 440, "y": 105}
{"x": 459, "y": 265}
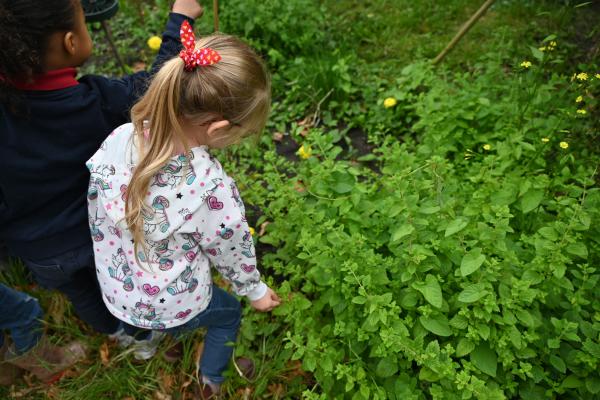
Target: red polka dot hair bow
{"x": 191, "y": 56}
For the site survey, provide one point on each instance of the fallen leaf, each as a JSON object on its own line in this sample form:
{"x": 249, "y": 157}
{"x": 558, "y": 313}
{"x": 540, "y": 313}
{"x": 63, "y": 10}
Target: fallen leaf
{"x": 243, "y": 393}
{"x": 263, "y": 228}
{"x": 296, "y": 370}
{"x": 53, "y": 393}
{"x": 278, "y": 136}
{"x": 299, "y": 187}
{"x": 138, "y": 66}
{"x": 104, "y": 354}
{"x": 198, "y": 355}
{"x": 57, "y": 308}
{"x": 305, "y": 122}
{"x": 166, "y": 380}
{"x": 276, "y": 390}
{"x": 161, "y": 396}
{"x": 304, "y": 131}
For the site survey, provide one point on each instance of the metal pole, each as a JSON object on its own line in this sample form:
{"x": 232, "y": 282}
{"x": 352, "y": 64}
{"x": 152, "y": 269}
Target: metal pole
{"x": 463, "y": 30}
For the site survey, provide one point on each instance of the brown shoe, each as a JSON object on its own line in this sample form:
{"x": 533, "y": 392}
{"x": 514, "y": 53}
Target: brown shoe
{"x": 8, "y": 372}
{"x": 173, "y": 353}
{"x": 47, "y": 361}
{"x": 208, "y": 391}
{"x": 245, "y": 367}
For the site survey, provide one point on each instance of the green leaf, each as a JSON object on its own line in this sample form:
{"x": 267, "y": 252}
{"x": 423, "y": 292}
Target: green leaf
{"x": 578, "y": 249}
{"x": 437, "y": 325}
{"x": 387, "y": 367}
{"x": 531, "y": 199}
{"x": 472, "y": 293}
{"x": 431, "y": 290}
{"x": 342, "y": 182}
{"x": 485, "y": 359}
{"x": 455, "y": 226}
{"x": 549, "y": 233}
{"x": 537, "y": 53}
{"x": 464, "y": 347}
{"x": 402, "y": 231}
{"x": 471, "y": 261}
{"x": 592, "y": 383}
{"x": 558, "y": 363}
{"x": 525, "y": 317}
{"x": 571, "y": 382}
{"x": 309, "y": 362}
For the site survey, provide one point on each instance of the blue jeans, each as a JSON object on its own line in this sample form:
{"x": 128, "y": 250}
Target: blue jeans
{"x": 20, "y": 314}
{"x": 73, "y": 273}
{"x": 222, "y": 317}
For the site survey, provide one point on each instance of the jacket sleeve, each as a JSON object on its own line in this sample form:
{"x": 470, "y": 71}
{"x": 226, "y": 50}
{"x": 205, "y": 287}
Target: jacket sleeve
{"x": 227, "y": 242}
{"x": 118, "y": 95}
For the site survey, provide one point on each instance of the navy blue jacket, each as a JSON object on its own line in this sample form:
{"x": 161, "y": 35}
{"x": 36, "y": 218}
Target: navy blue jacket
{"x": 43, "y": 177}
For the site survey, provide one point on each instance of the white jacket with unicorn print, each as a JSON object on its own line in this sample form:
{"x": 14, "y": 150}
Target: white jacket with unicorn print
{"x": 197, "y": 220}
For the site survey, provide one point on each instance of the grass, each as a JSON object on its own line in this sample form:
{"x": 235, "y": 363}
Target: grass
{"x": 377, "y": 38}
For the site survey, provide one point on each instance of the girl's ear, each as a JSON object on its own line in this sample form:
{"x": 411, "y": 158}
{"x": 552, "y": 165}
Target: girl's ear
{"x": 214, "y": 127}
{"x": 69, "y": 43}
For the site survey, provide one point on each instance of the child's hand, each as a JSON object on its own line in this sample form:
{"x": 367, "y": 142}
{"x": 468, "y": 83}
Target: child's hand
{"x": 189, "y": 8}
{"x": 266, "y": 303}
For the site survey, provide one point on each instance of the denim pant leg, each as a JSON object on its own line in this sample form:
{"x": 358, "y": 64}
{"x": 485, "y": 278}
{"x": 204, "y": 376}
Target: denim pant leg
{"x": 73, "y": 273}
{"x": 20, "y": 314}
{"x": 222, "y": 317}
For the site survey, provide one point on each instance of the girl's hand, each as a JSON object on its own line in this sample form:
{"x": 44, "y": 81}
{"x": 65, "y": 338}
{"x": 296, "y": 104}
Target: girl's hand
{"x": 266, "y": 303}
{"x": 189, "y": 8}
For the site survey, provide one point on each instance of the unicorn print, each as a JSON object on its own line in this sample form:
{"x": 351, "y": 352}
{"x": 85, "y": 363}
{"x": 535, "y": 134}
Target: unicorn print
{"x": 235, "y": 194}
{"x": 144, "y": 316}
{"x": 192, "y": 240}
{"x": 158, "y": 216}
{"x": 184, "y": 283}
{"x": 247, "y": 245}
{"x": 95, "y": 223}
{"x": 99, "y": 181}
{"x": 175, "y": 171}
{"x": 120, "y": 271}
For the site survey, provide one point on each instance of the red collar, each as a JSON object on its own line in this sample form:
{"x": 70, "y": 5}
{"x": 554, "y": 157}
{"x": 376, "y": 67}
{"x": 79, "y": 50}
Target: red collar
{"x": 51, "y": 80}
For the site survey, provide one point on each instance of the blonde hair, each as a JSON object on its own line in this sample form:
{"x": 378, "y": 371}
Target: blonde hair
{"x": 236, "y": 89}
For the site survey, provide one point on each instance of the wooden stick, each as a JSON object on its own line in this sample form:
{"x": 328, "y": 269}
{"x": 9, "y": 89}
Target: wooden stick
{"x": 113, "y": 47}
{"x": 463, "y": 30}
{"x": 216, "y": 14}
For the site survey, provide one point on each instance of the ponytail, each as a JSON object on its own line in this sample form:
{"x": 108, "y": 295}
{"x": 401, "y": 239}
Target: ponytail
{"x": 157, "y": 109}
{"x": 237, "y": 88}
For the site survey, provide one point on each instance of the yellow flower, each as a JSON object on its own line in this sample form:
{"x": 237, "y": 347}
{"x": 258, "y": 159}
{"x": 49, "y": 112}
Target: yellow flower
{"x": 487, "y": 147}
{"x": 581, "y": 111}
{"x": 543, "y": 48}
{"x": 597, "y": 76}
{"x": 390, "y": 102}
{"x": 545, "y": 140}
{"x": 579, "y": 99}
{"x": 154, "y": 43}
{"x": 582, "y": 76}
{"x": 304, "y": 152}
{"x": 564, "y": 145}
{"x": 252, "y": 231}
{"x": 526, "y": 64}
{"x": 551, "y": 45}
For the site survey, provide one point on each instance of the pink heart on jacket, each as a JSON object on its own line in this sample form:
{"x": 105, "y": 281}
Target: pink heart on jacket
{"x": 248, "y": 268}
{"x": 150, "y": 290}
{"x": 214, "y": 203}
{"x": 183, "y": 314}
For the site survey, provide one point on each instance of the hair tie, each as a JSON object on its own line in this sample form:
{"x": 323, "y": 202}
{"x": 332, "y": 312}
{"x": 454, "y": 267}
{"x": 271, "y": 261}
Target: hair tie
{"x": 191, "y": 56}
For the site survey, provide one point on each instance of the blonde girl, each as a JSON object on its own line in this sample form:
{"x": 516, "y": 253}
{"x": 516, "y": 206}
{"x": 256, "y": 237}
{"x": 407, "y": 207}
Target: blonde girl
{"x": 167, "y": 211}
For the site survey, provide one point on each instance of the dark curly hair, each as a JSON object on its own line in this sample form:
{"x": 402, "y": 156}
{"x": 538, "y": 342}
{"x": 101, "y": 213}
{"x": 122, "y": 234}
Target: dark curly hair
{"x": 25, "y": 29}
